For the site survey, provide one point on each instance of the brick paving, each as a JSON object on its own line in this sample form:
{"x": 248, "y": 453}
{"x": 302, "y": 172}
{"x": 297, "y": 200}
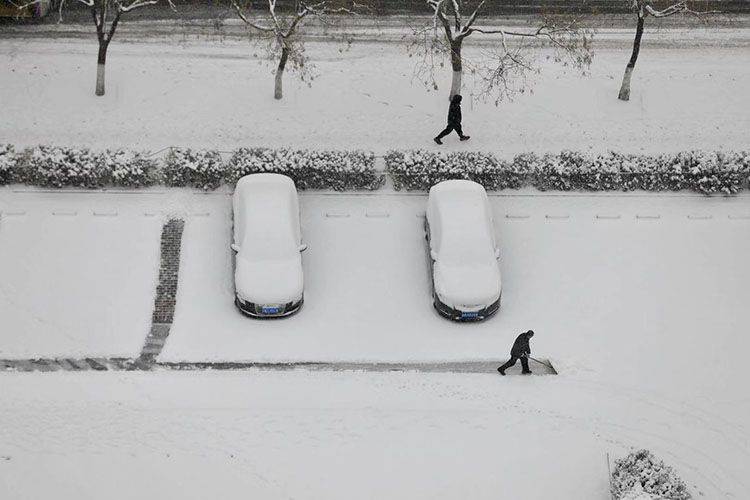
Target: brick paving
{"x": 166, "y": 293}
{"x": 66, "y": 364}
{"x": 169, "y": 269}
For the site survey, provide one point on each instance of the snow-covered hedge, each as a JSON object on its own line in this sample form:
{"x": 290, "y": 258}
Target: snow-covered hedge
{"x": 701, "y": 171}
{"x": 128, "y": 169}
{"x": 571, "y": 170}
{"x": 7, "y": 163}
{"x": 53, "y": 166}
{"x": 193, "y": 168}
{"x": 640, "y": 474}
{"x": 338, "y": 170}
{"x": 420, "y": 169}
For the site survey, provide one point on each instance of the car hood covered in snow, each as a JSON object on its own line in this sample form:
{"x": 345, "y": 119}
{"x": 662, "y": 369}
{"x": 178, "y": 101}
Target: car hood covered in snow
{"x": 467, "y": 286}
{"x": 269, "y": 281}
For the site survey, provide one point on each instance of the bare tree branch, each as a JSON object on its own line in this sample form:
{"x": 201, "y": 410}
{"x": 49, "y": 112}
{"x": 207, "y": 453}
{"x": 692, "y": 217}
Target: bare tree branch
{"x": 281, "y": 32}
{"x": 505, "y": 69}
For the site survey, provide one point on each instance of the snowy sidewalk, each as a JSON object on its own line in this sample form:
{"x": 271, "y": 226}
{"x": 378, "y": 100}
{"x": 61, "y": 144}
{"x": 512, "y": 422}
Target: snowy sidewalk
{"x": 215, "y": 95}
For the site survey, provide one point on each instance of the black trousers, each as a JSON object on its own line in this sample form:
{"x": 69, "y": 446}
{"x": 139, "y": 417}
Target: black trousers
{"x": 512, "y": 361}
{"x": 450, "y": 128}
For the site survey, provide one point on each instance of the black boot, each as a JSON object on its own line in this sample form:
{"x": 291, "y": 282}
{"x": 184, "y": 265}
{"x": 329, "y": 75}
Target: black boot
{"x": 465, "y": 138}
{"x": 438, "y": 141}
{"x": 501, "y": 370}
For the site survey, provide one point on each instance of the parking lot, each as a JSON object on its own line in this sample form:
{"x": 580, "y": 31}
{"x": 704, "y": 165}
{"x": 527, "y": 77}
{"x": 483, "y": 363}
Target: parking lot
{"x": 590, "y": 272}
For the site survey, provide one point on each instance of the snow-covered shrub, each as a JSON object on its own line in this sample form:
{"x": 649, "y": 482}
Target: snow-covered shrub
{"x": 714, "y": 172}
{"x": 7, "y": 163}
{"x": 310, "y": 169}
{"x": 605, "y": 172}
{"x": 52, "y": 166}
{"x": 127, "y": 168}
{"x": 641, "y": 468}
{"x": 572, "y": 170}
{"x": 421, "y": 169}
{"x": 700, "y": 171}
{"x": 641, "y": 172}
{"x": 195, "y": 168}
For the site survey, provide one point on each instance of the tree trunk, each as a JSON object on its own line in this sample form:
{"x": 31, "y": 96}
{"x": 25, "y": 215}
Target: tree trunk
{"x": 277, "y": 92}
{"x": 457, "y": 66}
{"x": 625, "y": 88}
{"x": 100, "y": 62}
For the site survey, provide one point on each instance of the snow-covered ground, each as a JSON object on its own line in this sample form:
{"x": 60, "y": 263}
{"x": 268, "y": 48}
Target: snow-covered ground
{"x": 643, "y": 316}
{"x": 639, "y": 299}
{"x": 216, "y": 95}
{"x": 77, "y": 273}
{"x": 349, "y": 435}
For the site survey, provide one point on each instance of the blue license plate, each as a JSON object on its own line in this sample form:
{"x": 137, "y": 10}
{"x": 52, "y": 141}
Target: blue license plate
{"x": 469, "y": 315}
{"x": 270, "y": 310}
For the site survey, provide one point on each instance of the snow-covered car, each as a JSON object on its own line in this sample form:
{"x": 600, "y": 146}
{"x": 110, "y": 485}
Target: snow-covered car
{"x": 267, "y": 243}
{"x": 463, "y": 252}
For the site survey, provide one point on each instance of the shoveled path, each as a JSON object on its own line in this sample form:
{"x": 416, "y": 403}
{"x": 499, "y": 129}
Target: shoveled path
{"x": 114, "y": 364}
{"x": 543, "y": 367}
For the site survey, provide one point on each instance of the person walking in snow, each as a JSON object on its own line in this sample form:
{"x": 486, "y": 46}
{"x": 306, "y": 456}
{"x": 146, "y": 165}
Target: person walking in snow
{"x": 454, "y": 121}
{"x": 520, "y": 350}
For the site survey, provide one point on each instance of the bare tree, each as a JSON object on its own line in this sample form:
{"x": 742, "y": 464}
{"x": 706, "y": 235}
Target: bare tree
{"x": 503, "y": 69}
{"x": 106, "y": 15}
{"x": 642, "y": 9}
{"x": 281, "y": 30}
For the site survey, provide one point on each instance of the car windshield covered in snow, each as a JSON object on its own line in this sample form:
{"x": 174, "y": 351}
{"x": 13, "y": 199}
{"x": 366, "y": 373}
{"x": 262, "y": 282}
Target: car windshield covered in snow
{"x": 266, "y": 224}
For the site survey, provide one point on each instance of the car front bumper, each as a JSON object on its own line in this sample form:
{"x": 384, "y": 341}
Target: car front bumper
{"x": 255, "y": 310}
{"x": 466, "y": 316}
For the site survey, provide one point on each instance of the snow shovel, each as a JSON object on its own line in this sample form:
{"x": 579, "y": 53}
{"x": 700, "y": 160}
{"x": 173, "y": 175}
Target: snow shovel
{"x": 544, "y": 364}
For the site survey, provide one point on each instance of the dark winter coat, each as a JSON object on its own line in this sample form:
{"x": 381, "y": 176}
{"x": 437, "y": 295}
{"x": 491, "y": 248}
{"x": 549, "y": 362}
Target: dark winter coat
{"x": 454, "y": 111}
{"x": 521, "y": 346}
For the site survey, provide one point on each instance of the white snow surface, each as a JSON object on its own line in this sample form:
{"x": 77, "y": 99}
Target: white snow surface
{"x": 351, "y": 435}
{"x": 217, "y": 95}
{"x": 77, "y": 272}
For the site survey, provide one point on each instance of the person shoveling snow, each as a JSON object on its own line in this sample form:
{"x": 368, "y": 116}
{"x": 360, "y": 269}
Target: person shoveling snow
{"x": 454, "y": 121}
{"x": 520, "y": 350}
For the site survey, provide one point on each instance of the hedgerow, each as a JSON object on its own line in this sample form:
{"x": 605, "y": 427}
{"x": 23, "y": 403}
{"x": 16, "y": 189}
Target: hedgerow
{"x": 700, "y": 171}
{"x": 128, "y": 168}
{"x": 54, "y": 166}
{"x": 203, "y": 169}
{"x": 705, "y": 172}
{"x": 310, "y": 169}
{"x": 420, "y": 169}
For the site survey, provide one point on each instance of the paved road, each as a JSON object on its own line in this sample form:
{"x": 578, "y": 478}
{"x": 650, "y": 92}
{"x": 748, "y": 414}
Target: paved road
{"x": 611, "y": 31}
